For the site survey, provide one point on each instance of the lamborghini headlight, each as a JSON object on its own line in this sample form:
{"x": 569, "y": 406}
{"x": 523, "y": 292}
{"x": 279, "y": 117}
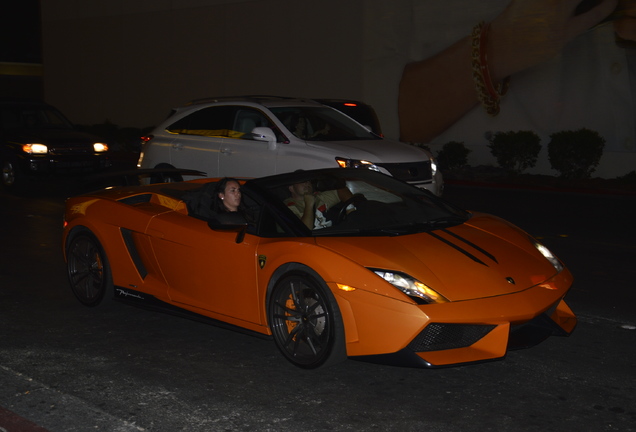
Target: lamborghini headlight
{"x": 548, "y": 255}
{"x": 410, "y": 286}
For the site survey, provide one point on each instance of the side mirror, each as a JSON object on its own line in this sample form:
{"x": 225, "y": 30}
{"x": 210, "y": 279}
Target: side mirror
{"x": 229, "y": 222}
{"x": 265, "y": 134}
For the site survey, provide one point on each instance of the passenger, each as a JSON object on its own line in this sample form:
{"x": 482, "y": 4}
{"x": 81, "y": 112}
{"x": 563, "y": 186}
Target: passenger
{"x": 311, "y": 207}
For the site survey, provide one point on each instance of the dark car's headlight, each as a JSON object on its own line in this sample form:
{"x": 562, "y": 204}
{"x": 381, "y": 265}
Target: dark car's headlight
{"x": 410, "y": 286}
{"x": 100, "y": 147}
{"x": 354, "y": 163}
{"x": 35, "y": 148}
{"x": 548, "y": 255}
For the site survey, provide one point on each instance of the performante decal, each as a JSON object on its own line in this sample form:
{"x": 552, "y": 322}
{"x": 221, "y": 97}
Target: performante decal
{"x": 129, "y": 293}
{"x": 457, "y": 248}
{"x": 458, "y": 237}
{"x": 261, "y": 261}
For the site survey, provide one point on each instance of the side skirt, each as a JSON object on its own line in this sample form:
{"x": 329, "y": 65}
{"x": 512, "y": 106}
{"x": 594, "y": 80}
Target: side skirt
{"x": 149, "y": 302}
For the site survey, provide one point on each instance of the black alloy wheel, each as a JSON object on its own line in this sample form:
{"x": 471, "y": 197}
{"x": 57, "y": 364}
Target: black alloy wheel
{"x": 306, "y": 322}
{"x": 88, "y": 271}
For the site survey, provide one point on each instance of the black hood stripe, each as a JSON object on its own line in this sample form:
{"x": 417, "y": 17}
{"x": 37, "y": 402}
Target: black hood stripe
{"x": 471, "y": 244}
{"x": 456, "y": 247}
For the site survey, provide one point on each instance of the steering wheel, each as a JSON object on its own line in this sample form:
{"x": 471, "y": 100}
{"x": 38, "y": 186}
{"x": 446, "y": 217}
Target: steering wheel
{"x": 356, "y": 199}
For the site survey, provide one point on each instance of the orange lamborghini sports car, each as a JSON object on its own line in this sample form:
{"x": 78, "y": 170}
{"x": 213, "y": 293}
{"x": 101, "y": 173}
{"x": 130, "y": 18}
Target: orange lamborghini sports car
{"x": 388, "y": 272}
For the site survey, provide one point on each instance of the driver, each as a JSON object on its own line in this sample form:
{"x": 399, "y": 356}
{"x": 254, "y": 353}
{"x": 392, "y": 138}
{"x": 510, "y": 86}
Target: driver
{"x": 311, "y": 207}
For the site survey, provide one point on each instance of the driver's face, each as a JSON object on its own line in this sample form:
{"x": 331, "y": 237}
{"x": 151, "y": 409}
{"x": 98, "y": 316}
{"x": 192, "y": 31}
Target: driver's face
{"x": 302, "y": 188}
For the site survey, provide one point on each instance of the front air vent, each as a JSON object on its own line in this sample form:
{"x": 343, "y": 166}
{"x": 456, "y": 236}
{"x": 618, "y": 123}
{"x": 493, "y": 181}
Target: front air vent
{"x": 438, "y": 336}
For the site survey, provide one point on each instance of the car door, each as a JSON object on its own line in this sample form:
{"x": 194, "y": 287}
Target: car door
{"x": 243, "y": 156}
{"x": 207, "y": 269}
{"x": 198, "y": 138}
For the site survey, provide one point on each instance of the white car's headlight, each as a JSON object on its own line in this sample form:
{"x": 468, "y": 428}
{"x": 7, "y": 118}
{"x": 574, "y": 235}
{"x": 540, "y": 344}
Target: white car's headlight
{"x": 548, "y": 255}
{"x": 354, "y": 163}
{"x": 433, "y": 166}
{"x": 410, "y": 286}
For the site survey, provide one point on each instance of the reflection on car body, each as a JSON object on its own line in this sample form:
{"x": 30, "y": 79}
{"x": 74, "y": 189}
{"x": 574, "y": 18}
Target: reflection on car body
{"x": 405, "y": 277}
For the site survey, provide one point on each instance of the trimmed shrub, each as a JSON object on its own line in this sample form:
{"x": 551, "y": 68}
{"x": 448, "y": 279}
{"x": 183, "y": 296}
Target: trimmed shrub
{"x": 515, "y": 151}
{"x": 575, "y": 154}
{"x": 453, "y": 155}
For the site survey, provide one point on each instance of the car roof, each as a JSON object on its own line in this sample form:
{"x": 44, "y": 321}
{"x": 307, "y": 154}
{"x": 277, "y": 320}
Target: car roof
{"x": 265, "y": 100}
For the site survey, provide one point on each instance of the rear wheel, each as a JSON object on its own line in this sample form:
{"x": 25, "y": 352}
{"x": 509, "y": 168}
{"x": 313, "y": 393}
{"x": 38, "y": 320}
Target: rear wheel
{"x": 88, "y": 271}
{"x": 305, "y": 321}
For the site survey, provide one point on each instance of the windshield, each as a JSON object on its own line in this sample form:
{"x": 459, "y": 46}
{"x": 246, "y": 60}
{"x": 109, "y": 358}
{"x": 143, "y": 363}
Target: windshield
{"x": 32, "y": 117}
{"x": 359, "y": 202}
{"x": 315, "y": 123}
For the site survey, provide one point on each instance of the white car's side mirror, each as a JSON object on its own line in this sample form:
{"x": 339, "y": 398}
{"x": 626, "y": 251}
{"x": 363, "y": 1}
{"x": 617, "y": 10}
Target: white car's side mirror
{"x": 265, "y": 134}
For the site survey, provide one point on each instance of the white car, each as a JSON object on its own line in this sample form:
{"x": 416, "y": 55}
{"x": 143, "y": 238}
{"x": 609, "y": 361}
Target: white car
{"x": 264, "y": 135}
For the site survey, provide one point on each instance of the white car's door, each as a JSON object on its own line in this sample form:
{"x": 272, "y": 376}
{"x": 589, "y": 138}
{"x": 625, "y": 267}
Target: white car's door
{"x": 246, "y": 158}
{"x": 242, "y": 155}
{"x": 196, "y": 152}
{"x": 198, "y": 138}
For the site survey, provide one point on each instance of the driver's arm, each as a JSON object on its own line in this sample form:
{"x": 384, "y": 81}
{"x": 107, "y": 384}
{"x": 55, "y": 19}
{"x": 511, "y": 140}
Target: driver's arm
{"x": 309, "y": 212}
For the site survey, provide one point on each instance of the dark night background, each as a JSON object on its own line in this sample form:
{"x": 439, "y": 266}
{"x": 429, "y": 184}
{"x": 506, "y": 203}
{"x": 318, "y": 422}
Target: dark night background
{"x": 20, "y": 34}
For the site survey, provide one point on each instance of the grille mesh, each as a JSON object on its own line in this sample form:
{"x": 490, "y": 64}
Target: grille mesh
{"x": 438, "y": 336}
{"x": 410, "y": 172}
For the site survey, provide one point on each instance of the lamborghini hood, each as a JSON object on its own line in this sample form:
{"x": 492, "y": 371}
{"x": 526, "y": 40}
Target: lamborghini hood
{"x": 484, "y": 257}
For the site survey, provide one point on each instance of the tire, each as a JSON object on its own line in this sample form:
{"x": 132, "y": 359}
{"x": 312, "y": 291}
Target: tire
{"x": 305, "y": 321}
{"x": 11, "y": 174}
{"x": 165, "y": 177}
{"x": 88, "y": 271}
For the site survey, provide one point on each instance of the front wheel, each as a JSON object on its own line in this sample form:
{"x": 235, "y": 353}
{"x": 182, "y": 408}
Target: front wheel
{"x": 88, "y": 271}
{"x": 11, "y": 174}
{"x": 305, "y": 322}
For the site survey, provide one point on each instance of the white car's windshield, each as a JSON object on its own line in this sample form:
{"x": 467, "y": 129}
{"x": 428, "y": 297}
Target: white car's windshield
{"x": 321, "y": 124}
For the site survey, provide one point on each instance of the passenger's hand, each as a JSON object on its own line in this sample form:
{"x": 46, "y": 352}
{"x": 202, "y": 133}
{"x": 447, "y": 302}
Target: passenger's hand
{"x": 529, "y": 32}
{"x": 309, "y": 200}
{"x": 625, "y": 22}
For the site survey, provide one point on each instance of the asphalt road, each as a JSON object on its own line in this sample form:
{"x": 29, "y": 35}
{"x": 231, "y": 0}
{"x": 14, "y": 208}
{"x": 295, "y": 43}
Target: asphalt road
{"x": 65, "y": 368}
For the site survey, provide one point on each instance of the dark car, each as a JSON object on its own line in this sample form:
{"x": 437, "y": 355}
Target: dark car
{"x": 36, "y": 138}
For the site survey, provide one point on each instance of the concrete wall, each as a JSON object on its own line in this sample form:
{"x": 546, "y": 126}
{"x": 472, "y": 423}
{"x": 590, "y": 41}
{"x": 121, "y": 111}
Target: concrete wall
{"x": 131, "y": 61}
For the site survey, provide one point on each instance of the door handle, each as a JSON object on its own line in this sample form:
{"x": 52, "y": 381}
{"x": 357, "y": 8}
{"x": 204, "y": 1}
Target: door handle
{"x": 177, "y": 146}
{"x": 226, "y": 150}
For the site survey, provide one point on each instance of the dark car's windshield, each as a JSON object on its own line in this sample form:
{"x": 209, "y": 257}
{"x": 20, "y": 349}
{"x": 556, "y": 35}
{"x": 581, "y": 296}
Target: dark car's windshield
{"x": 359, "y": 202}
{"x": 316, "y": 123}
{"x": 32, "y": 117}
